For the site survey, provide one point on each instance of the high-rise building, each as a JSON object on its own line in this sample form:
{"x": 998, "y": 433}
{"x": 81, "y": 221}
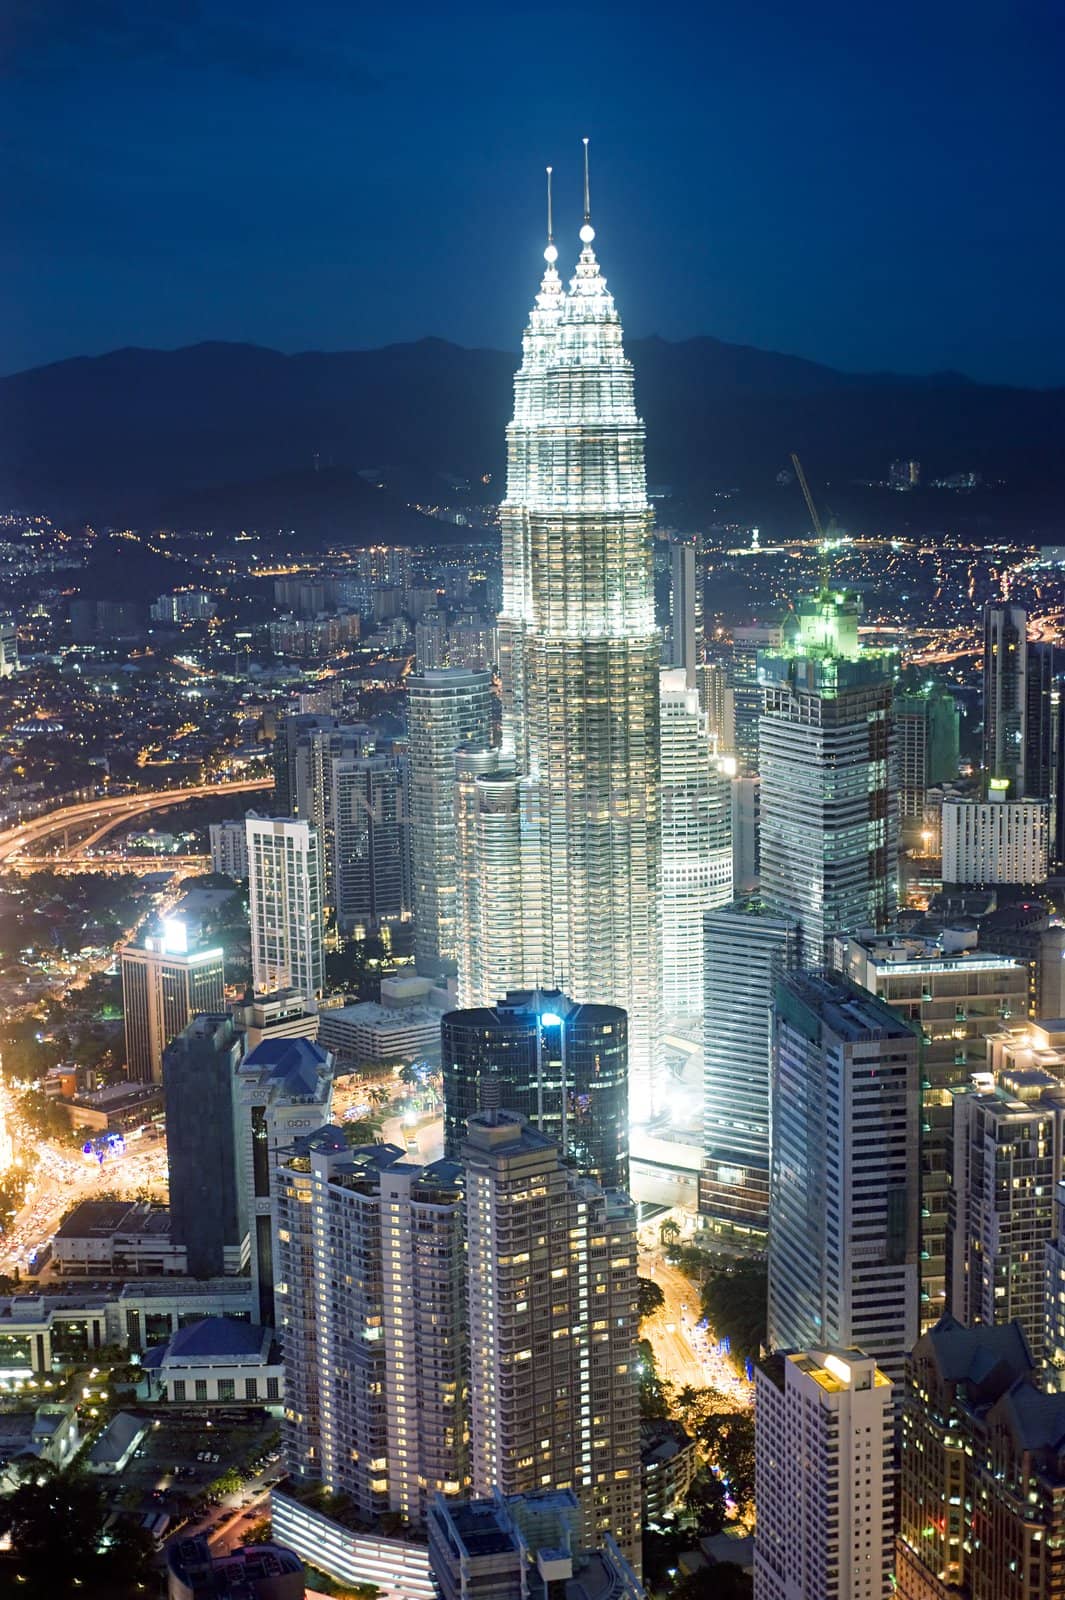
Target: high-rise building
{"x": 446, "y": 708}
{"x": 995, "y": 841}
{"x": 579, "y": 659}
{"x": 208, "y": 1214}
{"x": 718, "y": 704}
{"x": 959, "y": 996}
{"x": 1007, "y": 1165}
{"x": 551, "y": 1264}
{"x": 982, "y": 1464}
{"x": 430, "y": 641}
{"x": 1054, "y": 1301}
{"x": 284, "y": 1014}
{"x": 823, "y": 1477}
{"x": 9, "y": 662}
{"x": 696, "y": 805}
{"x": 370, "y": 826}
{"x": 490, "y": 877}
{"x": 1005, "y": 695}
{"x": 564, "y": 1067}
{"x": 746, "y": 951}
{"x": 284, "y": 1092}
{"x": 285, "y": 894}
{"x": 844, "y": 1180}
{"x": 1039, "y": 722}
{"x": 927, "y": 734}
{"x": 685, "y": 608}
{"x": 369, "y": 1298}
{"x": 748, "y": 692}
{"x": 164, "y": 985}
{"x": 829, "y": 803}
{"x": 229, "y": 848}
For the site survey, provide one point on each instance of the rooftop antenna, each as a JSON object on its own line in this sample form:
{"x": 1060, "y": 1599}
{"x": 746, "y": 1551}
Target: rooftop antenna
{"x": 551, "y": 253}
{"x": 587, "y": 232}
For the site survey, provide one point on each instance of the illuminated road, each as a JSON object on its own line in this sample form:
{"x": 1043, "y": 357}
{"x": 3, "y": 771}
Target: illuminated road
{"x": 100, "y": 816}
{"x": 684, "y": 1353}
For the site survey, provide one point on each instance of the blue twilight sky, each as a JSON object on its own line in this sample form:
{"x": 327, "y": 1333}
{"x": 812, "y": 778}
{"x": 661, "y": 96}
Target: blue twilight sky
{"x": 872, "y": 185}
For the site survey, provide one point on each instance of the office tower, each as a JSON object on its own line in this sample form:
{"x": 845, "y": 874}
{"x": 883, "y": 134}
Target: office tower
{"x": 844, "y": 1178}
{"x": 579, "y": 658}
{"x": 905, "y": 474}
{"x": 1024, "y": 929}
{"x": 926, "y": 733}
{"x": 9, "y": 662}
{"x": 1005, "y": 696}
{"x": 526, "y": 1544}
{"x": 446, "y": 708}
{"x": 229, "y": 848}
{"x": 369, "y": 1298}
{"x": 207, "y": 1200}
{"x": 685, "y": 608}
{"x": 285, "y": 900}
{"x": 284, "y": 1092}
{"x": 472, "y": 642}
{"x": 164, "y": 985}
{"x": 370, "y": 818}
{"x": 823, "y": 1477}
{"x": 960, "y": 997}
{"x": 315, "y": 745}
{"x": 747, "y": 949}
{"x": 1039, "y": 722}
{"x": 553, "y": 1328}
{"x": 564, "y": 1067}
{"x": 748, "y": 693}
{"x": 491, "y": 902}
{"x": 696, "y": 807}
{"x": 829, "y": 804}
{"x": 995, "y": 841}
{"x": 717, "y": 703}
{"x": 981, "y": 1514}
{"x": 1007, "y": 1164}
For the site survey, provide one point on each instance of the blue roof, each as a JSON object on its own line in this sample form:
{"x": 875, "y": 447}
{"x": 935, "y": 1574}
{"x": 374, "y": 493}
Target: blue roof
{"x": 211, "y": 1336}
{"x": 297, "y": 1062}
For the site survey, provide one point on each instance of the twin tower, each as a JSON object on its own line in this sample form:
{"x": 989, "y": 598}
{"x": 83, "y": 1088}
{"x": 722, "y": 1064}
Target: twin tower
{"x": 559, "y": 831}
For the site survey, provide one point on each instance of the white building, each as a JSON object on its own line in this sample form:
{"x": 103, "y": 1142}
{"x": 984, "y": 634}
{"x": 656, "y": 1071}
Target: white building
{"x": 285, "y": 891}
{"x": 579, "y": 659}
{"x": 995, "y": 841}
{"x": 369, "y": 1301}
{"x": 217, "y": 1361}
{"x": 229, "y": 848}
{"x": 445, "y": 708}
{"x": 9, "y": 662}
{"x": 553, "y": 1331}
{"x": 845, "y": 1173}
{"x": 401, "y": 1028}
{"x": 696, "y": 802}
{"x": 490, "y": 876}
{"x": 823, "y": 1477}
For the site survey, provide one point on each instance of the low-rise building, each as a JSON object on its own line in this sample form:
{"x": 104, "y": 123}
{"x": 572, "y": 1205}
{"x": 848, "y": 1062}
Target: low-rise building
{"x": 113, "y": 1450}
{"x": 217, "y": 1361}
{"x": 255, "y": 1572}
{"x": 370, "y": 1034}
{"x": 117, "y": 1238}
{"x": 668, "y": 1463}
{"x": 120, "y": 1108}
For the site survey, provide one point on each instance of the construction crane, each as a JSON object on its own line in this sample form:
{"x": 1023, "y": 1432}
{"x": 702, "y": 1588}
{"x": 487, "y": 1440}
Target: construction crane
{"x": 807, "y": 496}
{"x": 814, "y": 518}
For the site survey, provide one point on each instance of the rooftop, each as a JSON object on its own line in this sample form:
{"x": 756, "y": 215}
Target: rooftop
{"x": 212, "y": 1337}
{"x": 299, "y": 1067}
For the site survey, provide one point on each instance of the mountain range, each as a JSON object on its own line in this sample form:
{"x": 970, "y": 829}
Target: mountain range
{"x": 236, "y": 435}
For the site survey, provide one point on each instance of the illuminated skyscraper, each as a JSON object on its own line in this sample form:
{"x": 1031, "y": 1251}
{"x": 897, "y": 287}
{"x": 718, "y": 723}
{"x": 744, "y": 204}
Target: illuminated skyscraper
{"x": 285, "y": 899}
{"x": 579, "y": 659}
{"x": 165, "y": 985}
{"x": 696, "y": 842}
{"x": 829, "y": 828}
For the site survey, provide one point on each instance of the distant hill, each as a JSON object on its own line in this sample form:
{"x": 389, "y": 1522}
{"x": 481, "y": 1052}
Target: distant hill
{"x": 231, "y": 434}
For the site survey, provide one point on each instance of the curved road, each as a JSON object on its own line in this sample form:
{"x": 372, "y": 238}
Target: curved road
{"x": 107, "y": 814}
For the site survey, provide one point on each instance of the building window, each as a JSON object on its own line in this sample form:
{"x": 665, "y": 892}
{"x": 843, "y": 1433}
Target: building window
{"x": 226, "y": 1389}
{"x": 201, "y": 1388}
{"x": 251, "y": 1388}
{"x": 273, "y": 1389}
{"x": 179, "y": 1389}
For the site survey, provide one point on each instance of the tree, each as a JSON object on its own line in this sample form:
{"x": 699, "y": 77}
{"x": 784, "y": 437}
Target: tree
{"x": 729, "y": 1442}
{"x": 227, "y": 1482}
{"x": 734, "y": 1304}
{"x": 654, "y": 1391}
{"x": 55, "y": 1521}
{"x": 359, "y": 1132}
{"x": 722, "y": 1581}
{"x": 669, "y": 1233}
{"x": 707, "y": 1504}
{"x": 651, "y": 1298}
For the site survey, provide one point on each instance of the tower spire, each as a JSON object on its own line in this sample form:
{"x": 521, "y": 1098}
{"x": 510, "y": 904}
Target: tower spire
{"x": 587, "y": 233}
{"x": 551, "y": 253}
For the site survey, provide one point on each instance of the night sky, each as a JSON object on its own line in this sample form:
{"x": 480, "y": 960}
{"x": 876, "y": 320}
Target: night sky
{"x": 874, "y": 186}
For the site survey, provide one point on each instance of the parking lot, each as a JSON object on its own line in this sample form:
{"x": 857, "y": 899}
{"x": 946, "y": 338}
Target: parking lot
{"x": 174, "y": 1464}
